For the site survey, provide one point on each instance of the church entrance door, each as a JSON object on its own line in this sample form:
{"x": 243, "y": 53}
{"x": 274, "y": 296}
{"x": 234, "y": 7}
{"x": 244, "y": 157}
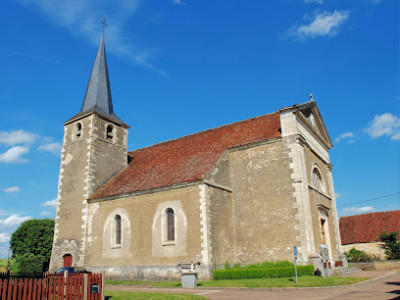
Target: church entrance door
{"x": 67, "y": 260}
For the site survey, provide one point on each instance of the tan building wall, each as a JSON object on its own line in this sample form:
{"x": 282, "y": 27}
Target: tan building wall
{"x": 263, "y": 210}
{"x": 373, "y": 249}
{"x": 144, "y": 253}
{"x": 321, "y": 203}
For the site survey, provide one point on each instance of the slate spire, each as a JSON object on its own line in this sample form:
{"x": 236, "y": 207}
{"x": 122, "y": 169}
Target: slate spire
{"x": 98, "y": 91}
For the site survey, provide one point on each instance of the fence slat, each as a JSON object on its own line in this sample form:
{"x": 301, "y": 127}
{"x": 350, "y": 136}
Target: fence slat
{"x": 29, "y": 294}
{"x": 25, "y": 289}
{"x": 10, "y": 287}
{"x": 15, "y": 289}
{"x": 34, "y": 288}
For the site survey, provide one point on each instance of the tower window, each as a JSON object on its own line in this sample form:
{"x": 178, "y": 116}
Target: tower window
{"x": 109, "y": 132}
{"x": 78, "y": 130}
{"x": 170, "y": 225}
{"x": 117, "y": 224}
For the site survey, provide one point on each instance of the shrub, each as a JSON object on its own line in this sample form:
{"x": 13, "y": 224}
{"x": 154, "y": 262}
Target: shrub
{"x": 391, "y": 244}
{"x": 355, "y": 255}
{"x": 263, "y": 272}
{"x": 28, "y": 264}
{"x": 263, "y": 265}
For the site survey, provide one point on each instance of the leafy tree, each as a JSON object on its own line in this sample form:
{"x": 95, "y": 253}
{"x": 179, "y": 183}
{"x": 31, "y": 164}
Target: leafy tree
{"x": 391, "y": 244}
{"x": 33, "y": 237}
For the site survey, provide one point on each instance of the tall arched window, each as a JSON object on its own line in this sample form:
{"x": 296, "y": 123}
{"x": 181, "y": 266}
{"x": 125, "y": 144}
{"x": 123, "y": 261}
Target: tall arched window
{"x": 109, "y": 132}
{"x": 170, "y": 224}
{"x": 317, "y": 181}
{"x": 78, "y": 130}
{"x": 117, "y": 221}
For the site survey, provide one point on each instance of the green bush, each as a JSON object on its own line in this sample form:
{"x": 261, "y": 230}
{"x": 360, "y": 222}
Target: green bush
{"x": 355, "y": 255}
{"x": 391, "y": 244}
{"x": 28, "y": 264}
{"x": 263, "y": 272}
{"x": 263, "y": 265}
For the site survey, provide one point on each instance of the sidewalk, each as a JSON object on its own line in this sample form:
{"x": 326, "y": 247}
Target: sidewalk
{"x": 383, "y": 285}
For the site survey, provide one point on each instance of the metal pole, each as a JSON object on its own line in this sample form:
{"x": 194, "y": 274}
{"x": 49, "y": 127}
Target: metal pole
{"x": 8, "y": 261}
{"x": 295, "y": 270}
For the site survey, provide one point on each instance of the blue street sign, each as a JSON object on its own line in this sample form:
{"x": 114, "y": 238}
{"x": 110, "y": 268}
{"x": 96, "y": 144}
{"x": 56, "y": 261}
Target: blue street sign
{"x": 294, "y": 250}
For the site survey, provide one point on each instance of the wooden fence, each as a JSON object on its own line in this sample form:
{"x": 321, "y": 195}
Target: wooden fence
{"x": 53, "y": 287}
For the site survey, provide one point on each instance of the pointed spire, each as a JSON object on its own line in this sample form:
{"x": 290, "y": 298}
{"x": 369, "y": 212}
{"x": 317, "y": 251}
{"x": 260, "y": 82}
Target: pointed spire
{"x": 98, "y": 92}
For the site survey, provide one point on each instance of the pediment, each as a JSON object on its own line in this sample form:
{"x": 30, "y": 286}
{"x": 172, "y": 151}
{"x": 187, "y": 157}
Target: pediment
{"x": 310, "y": 115}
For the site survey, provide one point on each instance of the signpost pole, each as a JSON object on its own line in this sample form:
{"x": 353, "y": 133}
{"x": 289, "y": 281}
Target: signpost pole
{"x": 295, "y": 262}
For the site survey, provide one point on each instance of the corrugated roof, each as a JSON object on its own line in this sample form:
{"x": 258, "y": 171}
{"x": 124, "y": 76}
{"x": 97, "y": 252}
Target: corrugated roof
{"x": 367, "y": 227}
{"x": 188, "y": 158}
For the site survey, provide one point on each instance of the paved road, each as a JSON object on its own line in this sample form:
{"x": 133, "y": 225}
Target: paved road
{"x": 386, "y": 285}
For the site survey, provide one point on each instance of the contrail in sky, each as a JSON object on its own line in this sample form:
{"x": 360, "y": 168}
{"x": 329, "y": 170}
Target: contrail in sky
{"x": 30, "y": 56}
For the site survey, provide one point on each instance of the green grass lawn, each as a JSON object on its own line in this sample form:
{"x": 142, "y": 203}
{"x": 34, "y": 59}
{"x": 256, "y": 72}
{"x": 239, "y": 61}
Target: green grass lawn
{"x": 304, "y": 281}
{"x": 122, "y": 295}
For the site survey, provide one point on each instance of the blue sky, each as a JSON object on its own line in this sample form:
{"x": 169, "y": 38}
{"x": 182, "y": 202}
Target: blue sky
{"x": 182, "y": 66}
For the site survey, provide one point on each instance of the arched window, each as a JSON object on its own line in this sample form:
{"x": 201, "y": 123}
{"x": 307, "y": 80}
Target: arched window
{"x": 109, "y": 132}
{"x": 117, "y": 225}
{"x": 170, "y": 225}
{"x": 78, "y": 130}
{"x": 317, "y": 179}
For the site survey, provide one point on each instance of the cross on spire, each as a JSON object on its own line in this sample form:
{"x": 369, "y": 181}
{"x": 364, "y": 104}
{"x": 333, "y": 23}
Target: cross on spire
{"x": 104, "y": 23}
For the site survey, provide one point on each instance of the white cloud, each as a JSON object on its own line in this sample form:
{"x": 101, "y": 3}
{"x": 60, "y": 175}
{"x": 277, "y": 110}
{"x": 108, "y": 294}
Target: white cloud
{"x": 348, "y": 137}
{"x": 11, "y": 189}
{"x": 359, "y": 210}
{"x": 13, "y": 155}
{"x": 44, "y": 213}
{"x": 385, "y": 124}
{"x": 85, "y": 15}
{"x": 338, "y": 195}
{"x": 17, "y": 137}
{"x": 54, "y": 148}
{"x": 179, "y": 2}
{"x": 314, "y": 1}
{"x": 4, "y": 237}
{"x": 50, "y": 203}
{"x": 14, "y": 220}
{"x": 322, "y": 24}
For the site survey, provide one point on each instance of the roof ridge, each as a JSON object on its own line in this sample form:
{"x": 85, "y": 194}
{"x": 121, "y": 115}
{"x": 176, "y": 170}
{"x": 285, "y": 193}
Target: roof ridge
{"x": 200, "y": 132}
{"x": 372, "y": 213}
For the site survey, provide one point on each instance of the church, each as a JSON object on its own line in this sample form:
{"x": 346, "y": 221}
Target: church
{"x": 241, "y": 193}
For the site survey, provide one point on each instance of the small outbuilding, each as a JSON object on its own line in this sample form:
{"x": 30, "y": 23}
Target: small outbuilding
{"x": 362, "y": 231}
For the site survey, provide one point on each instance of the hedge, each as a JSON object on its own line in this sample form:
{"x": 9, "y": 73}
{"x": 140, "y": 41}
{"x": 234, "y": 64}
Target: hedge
{"x": 263, "y": 273}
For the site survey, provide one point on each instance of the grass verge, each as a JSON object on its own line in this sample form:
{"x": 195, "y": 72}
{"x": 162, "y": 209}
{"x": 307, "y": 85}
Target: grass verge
{"x": 122, "y": 295}
{"x": 304, "y": 281}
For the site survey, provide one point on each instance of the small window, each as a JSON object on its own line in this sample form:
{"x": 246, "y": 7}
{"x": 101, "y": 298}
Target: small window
{"x": 170, "y": 225}
{"x": 310, "y": 116}
{"x": 109, "y": 132}
{"x": 78, "y": 130}
{"x": 117, "y": 226}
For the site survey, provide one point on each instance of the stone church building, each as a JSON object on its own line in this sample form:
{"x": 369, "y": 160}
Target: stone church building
{"x": 243, "y": 193}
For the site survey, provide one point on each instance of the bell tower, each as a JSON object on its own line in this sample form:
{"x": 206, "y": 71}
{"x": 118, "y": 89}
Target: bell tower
{"x": 94, "y": 150}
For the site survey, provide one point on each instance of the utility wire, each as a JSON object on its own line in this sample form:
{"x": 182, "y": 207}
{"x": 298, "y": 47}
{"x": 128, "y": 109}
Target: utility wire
{"x": 369, "y": 199}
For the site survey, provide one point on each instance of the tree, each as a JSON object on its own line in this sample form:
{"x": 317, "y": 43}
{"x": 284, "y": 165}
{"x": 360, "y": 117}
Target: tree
{"x": 33, "y": 237}
{"x": 391, "y": 244}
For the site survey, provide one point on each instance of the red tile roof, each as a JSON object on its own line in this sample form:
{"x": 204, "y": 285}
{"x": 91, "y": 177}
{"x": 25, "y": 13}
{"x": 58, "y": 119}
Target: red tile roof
{"x": 188, "y": 158}
{"x": 367, "y": 227}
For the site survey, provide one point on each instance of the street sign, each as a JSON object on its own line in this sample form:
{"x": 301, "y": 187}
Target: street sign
{"x": 295, "y": 251}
